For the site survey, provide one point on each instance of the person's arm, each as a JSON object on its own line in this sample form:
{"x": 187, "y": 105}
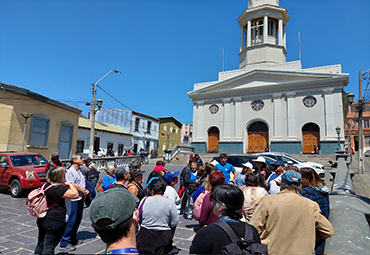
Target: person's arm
{"x": 324, "y": 229}
{"x": 72, "y": 192}
{"x": 132, "y": 188}
{"x": 174, "y": 216}
{"x": 259, "y": 217}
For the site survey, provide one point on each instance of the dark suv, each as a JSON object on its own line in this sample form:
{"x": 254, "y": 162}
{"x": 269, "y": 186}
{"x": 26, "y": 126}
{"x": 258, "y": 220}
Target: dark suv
{"x": 22, "y": 171}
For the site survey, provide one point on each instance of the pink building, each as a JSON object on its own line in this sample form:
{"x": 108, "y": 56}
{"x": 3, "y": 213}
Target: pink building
{"x": 186, "y": 134}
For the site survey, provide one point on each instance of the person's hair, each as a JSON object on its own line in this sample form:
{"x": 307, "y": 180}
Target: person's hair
{"x": 291, "y": 167}
{"x": 157, "y": 186}
{"x": 120, "y": 175}
{"x": 251, "y": 179}
{"x": 310, "y": 178}
{"x": 209, "y": 168}
{"x": 160, "y": 163}
{"x": 196, "y": 156}
{"x": 295, "y": 187}
{"x": 231, "y": 197}
{"x": 223, "y": 155}
{"x": 56, "y": 175}
{"x": 216, "y": 178}
{"x": 73, "y": 157}
{"x": 112, "y": 235}
{"x": 193, "y": 162}
{"x": 87, "y": 159}
{"x": 108, "y": 169}
{"x": 264, "y": 165}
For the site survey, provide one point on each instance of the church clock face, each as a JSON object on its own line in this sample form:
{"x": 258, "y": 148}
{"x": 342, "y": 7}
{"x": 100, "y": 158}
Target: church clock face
{"x": 309, "y": 101}
{"x": 257, "y": 105}
{"x": 213, "y": 109}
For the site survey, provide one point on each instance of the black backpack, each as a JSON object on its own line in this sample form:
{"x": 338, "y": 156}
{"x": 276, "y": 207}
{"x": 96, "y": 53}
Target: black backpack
{"x": 238, "y": 245}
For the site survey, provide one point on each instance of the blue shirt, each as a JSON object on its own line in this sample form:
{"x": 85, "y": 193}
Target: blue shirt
{"x": 225, "y": 170}
{"x": 240, "y": 180}
{"x": 107, "y": 181}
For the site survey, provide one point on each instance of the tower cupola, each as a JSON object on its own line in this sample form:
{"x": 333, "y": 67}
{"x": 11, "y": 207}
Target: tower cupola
{"x": 263, "y": 33}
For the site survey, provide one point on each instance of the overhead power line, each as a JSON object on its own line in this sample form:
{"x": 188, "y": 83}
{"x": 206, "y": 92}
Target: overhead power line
{"x": 114, "y": 98}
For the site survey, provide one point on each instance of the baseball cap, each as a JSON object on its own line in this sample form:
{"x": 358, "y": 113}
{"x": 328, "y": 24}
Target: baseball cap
{"x": 118, "y": 205}
{"x": 54, "y": 154}
{"x": 135, "y": 172}
{"x": 291, "y": 177}
{"x": 159, "y": 168}
{"x": 169, "y": 176}
{"x": 278, "y": 163}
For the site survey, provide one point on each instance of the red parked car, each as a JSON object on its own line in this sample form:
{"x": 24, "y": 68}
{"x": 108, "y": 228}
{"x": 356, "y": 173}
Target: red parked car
{"x": 22, "y": 171}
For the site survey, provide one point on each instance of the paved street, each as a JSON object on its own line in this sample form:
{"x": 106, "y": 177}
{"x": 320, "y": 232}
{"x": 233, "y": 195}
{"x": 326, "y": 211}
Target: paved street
{"x": 18, "y": 231}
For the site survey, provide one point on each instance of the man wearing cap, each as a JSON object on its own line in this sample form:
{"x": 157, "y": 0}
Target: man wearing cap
{"x": 54, "y": 162}
{"x": 289, "y": 223}
{"x": 115, "y": 219}
{"x": 274, "y": 179}
{"x": 171, "y": 178}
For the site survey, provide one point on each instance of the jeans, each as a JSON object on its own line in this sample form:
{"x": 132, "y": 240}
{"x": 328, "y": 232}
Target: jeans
{"x": 50, "y": 233}
{"x": 74, "y": 220}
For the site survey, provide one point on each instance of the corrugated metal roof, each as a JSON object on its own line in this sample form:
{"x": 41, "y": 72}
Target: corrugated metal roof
{"x": 101, "y": 126}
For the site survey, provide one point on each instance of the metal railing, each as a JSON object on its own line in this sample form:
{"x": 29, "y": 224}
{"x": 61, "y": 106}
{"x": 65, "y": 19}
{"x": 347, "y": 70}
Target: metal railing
{"x": 102, "y": 163}
{"x": 179, "y": 148}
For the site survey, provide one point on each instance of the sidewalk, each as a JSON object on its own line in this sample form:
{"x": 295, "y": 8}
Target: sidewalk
{"x": 361, "y": 182}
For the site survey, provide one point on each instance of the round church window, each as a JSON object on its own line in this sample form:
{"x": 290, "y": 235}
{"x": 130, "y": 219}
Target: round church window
{"x": 309, "y": 101}
{"x": 257, "y": 104}
{"x": 213, "y": 109}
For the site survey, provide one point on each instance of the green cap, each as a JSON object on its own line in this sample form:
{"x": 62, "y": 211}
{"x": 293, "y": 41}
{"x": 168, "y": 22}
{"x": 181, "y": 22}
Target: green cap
{"x": 116, "y": 204}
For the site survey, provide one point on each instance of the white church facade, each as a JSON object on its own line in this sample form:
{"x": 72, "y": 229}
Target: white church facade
{"x": 269, "y": 103}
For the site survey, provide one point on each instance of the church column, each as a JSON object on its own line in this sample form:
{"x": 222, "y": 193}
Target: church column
{"x": 226, "y": 108}
{"x": 277, "y": 115}
{"x": 249, "y": 33}
{"x": 265, "y": 29}
{"x": 329, "y": 112}
{"x": 241, "y": 39}
{"x": 291, "y": 114}
{"x": 281, "y": 32}
{"x": 238, "y": 117}
{"x": 199, "y": 120}
{"x": 284, "y": 39}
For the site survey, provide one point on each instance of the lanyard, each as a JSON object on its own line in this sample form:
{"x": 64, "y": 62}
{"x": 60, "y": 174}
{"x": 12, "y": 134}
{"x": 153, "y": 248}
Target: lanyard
{"x": 227, "y": 219}
{"x": 122, "y": 251}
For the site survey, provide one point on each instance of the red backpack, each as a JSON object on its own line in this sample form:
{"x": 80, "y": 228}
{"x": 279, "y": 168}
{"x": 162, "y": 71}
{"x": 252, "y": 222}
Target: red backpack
{"x": 36, "y": 202}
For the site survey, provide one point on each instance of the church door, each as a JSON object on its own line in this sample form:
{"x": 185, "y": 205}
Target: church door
{"x": 213, "y": 138}
{"x": 258, "y": 137}
{"x": 310, "y": 137}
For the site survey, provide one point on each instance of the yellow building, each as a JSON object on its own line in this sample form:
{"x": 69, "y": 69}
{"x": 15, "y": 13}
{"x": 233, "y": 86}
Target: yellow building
{"x": 169, "y": 134}
{"x": 51, "y": 125}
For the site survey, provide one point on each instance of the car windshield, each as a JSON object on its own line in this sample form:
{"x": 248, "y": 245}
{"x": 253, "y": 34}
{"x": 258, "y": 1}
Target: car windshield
{"x": 27, "y": 160}
{"x": 297, "y": 159}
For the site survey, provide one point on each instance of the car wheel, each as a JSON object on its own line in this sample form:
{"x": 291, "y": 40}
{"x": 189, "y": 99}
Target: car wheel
{"x": 15, "y": 188}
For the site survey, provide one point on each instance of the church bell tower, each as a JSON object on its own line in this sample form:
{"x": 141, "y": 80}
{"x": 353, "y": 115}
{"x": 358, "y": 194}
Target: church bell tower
{"x": 263, "y": 35}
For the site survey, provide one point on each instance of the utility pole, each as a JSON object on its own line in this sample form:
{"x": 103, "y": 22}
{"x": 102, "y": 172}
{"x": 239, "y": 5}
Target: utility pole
{"x": 360, "y": 108}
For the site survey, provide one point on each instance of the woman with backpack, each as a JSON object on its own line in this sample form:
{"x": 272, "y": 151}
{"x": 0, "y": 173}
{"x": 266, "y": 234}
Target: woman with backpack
{"x": 52, "y": 226}
{"x": 228, "y": 232}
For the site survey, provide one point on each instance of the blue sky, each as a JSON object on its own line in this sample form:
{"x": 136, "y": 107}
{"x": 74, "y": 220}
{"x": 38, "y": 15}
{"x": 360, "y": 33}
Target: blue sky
{"x": 162, "y": 47}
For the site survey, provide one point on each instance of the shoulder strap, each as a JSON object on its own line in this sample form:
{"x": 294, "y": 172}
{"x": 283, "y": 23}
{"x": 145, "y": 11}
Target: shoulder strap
{"x": 141, "y": 209}
{"x": 228, "y": 230}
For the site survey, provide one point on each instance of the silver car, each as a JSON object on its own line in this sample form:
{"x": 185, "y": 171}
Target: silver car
{"x": 289, "y": 159}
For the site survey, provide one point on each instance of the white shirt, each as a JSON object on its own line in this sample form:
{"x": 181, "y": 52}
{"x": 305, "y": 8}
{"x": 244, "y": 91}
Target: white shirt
{"x": 171, "y": 193}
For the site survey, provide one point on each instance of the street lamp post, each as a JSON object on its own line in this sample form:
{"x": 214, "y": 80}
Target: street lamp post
{"x": 26, "y": 116}
{"x": 350, "y": 97}
{"x": 93, "y": 110}
{"x": 337, "y": 129}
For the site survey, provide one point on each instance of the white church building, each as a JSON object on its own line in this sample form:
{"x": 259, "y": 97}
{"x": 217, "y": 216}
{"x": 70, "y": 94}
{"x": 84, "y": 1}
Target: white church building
{"x": 268, "y": 102}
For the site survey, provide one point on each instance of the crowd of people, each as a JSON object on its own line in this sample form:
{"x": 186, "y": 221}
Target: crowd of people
{"x": 284, "y": 211}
